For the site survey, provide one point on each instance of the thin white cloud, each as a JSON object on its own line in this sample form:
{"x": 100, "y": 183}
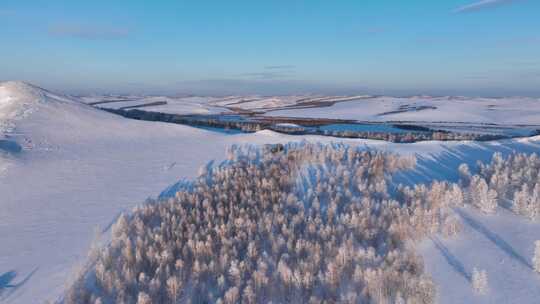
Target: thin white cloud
{"x": 280, "y": 67}
{"x": 266, "y": 75}
{"x": 483, "y": 4}
{"x": 89, "y": 32}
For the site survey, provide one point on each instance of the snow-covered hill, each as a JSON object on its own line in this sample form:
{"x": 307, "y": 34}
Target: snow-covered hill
{"x": 19, "y": 99}
{"x": 166, "y": 104}
{"x": 213, "y": 105}
{"x": 69, "y": 169}
{"x": 516, "y": 110}
{"x": 271, "y": 103}
{"x": 448, "y": 109}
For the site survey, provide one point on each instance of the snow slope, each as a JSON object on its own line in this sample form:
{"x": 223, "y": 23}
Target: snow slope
{"x": 72, "y": 169}
{"x": 502, "y": 244}
{"x": 19, "y": 99}
{"x": 271, "y": 103}
{"x": 77, "y": 168}
{"x": 166, "y": 104}
{"x": 479, "y": 110}
{"x": 515, "y": 110}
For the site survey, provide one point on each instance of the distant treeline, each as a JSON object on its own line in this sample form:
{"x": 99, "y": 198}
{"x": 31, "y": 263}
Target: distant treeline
{"x": 415, "y": 134}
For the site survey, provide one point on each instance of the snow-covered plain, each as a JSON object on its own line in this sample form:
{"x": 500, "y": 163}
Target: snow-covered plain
{"x": 213, "y": 105}
{"x": 69, "y": 169}
{"x": 511, "y": 116}
{"x": 270, "y": 103}
{"x": 166, "y": 104}
{"x": 451, "y": 110}
{"x": 516, "y": 110}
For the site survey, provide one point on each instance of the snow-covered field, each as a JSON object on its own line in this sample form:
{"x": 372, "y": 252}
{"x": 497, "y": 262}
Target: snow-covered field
{"x": 456, "y": 110}
{"x": 270, "y": 103}
{"x": 67, "y": 170}
{"x": 213, "y": 105}
{"x": 166, "y": 104}
{"x": 517, "y": 110}
{"x": 502, "y": 244}
{"x": 512, "y": 116}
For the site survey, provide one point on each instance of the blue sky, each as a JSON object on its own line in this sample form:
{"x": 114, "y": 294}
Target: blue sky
{"x": 455, "y": 47}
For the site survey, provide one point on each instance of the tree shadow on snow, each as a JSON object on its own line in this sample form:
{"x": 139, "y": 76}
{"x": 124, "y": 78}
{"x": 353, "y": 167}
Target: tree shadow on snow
{"x": 493, "y": 237}
{"x": 6, "y": 278}
{"x": 7, "y": 286}
{"x": 10, "y": 146}
{"x": 444, "y": 165}
{"x": 451, "y": 259}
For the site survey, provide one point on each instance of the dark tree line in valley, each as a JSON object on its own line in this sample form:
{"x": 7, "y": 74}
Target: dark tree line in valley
{"x": 412, "y": 134}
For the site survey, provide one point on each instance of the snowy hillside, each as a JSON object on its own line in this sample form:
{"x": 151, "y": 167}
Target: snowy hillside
{"x": 166, "y": 104}
{"x": 449, "y": 110}
{"x": 429, "y": 109}
{"x": 70, "y": 169}
{"x": 502, "y": 244}
{"x": 19, "y": 99}
{"x": 271, "y": 103}
{"x": 213, "y": 105}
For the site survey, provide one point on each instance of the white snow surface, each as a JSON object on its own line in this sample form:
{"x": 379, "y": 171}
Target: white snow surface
{"x": 76, "y": 169}
{"x": 511, "y": 110}
{"x": 174, "y": 105}
{"x": 502, "y": 244}
{"x": 70, "y": 169}
{"x": 446, "y": 109}
{"x": 269, "y": 103}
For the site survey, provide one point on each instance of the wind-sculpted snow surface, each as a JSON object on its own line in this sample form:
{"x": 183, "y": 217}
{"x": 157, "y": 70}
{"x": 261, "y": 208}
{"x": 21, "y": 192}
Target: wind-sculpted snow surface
{"x": 288, "y": 224}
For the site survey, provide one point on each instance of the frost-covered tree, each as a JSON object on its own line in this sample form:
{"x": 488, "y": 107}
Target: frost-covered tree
{"x": 143, "y": 298}
{"x": 456, "y": 195}
{"x": 481, "y": 196}
{"x": 533, "y": 209}
{"x": 399, "y": 299}
{"x": 464, "y": 174}
{"x": 521, "y": 200}
{"x": 451, "y": 226}
{"x": 231, "y": 296}
{"x": 174, "y": 286}
{"x": 515, "y": 179}
{"x": 290, "y": 223}
{"x": 479, "y": 281}
{"x": 536, "y": 256}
